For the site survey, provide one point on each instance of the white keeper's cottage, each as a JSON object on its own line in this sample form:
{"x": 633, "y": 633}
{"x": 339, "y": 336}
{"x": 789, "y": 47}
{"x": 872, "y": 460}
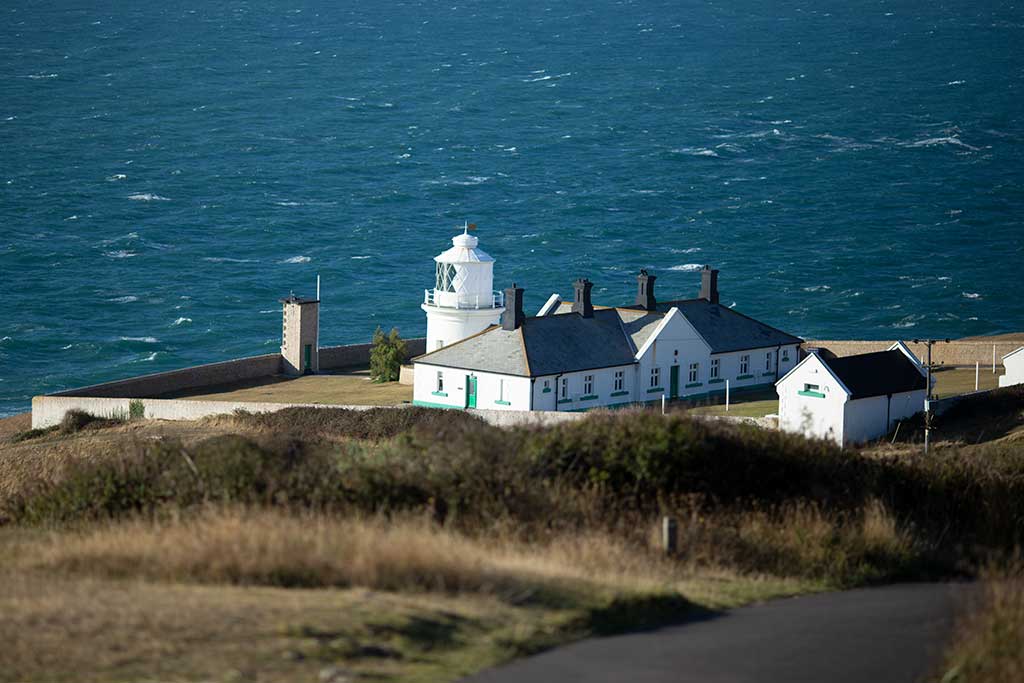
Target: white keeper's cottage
{"x": 576, "y": 356}
{"x": 851, "y": 399}
{"x": 1014, "y": 364}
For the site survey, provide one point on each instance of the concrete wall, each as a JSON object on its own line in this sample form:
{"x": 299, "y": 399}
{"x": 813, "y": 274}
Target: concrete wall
{"x": 180, "y": 380}
{"x": 1014, "y": 370}
{"x": 953, "y": 353}
{"x": 813, "y": 416}
{"x": 226, "y": 372}
{"x": 49, "y": 410}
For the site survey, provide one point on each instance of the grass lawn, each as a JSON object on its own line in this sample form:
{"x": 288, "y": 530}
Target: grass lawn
{"x": 961, "y": 380}
{"x": 345, "y": 388}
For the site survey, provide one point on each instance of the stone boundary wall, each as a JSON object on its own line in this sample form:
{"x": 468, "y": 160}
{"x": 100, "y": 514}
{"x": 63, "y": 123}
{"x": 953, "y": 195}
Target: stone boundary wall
{"x": 50, "y": 410}
{"x": 227, "y": 372}
{"x": 953, "y": 353}
{"x": 178, "y": 380}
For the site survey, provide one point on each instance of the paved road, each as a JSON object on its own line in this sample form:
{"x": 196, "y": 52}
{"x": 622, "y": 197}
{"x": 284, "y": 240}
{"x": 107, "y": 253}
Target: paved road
{"x": 875, "y": 635}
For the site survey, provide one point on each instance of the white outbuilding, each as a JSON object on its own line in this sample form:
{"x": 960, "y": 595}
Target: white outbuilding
{"x": 851, "y": 399}
{"x": 1014, "y": 364}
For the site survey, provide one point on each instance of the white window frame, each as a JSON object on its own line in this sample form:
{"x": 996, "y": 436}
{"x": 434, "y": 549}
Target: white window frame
{"x": 715, "y": 366}
{"x": 693, "y": 372}
{"x": 563, "y": 391}
{"x": 655, "y": 377}
{"x": 588, "y": 385}
{"x": 619, "y": 378}
{"x": 745, "y": 364}
{"x": 501, "y": 388}
{"x": 440, "y": 381}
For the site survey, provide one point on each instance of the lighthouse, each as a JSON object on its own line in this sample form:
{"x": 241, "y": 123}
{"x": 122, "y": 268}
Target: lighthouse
{"x": 462, "y": 301}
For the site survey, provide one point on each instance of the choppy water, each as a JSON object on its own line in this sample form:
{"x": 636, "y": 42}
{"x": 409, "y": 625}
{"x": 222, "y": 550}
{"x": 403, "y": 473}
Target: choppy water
{"x": 168, "y": 170}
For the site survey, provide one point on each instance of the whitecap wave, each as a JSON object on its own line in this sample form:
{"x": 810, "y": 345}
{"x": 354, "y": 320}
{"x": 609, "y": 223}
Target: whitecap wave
{"x": 36, "y": 77}
{"x": 120, "y": 253}
{"x": 956, "y": 83}
{"x": 971, "y": 295}
{"x": 947, "y": 140}
{"x": 228, "y": 259}
{"x": 181, "y": 321}
{"x": 288, "y": 203}
{"x": 72, "y": 218}
{"x": 117, "y": 176}
{"x": 147, "y": 197}
{"x": 142, "y": 340}
{"x": 817, "y": 288}
{"x": 124, "y": 299}
{"x": 687, "y": 267}
{"x": 691, "y": 250}
{"x": 546, "y": 78}
{"x": 696, "y": 151}
{"x": 297, "y": 259}
{"x": 360, "y": 258}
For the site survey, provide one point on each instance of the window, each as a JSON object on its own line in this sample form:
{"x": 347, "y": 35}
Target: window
{"x": 694, "y": 368}
{"x": 744, "y": 364}
{"x": 715, "y": 364}
{"x": 810, "y": 387}
{"x": 588, "y": 385}
{"x": 440, "y": 381}
{"x": 501, "y": 390}
{"x": 563, "y": 391}
{"x": 445, "y": 277}
{"x": 547, "y": 385}
{"x": 619, "y": 375}
{"x": 785, "y": 355}
{"x": 768, "y": 361}
{"x": 655, "y": 378}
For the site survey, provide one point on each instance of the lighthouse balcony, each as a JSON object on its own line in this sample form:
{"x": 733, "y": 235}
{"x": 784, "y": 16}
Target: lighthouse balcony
{"x": 463, "y": 301}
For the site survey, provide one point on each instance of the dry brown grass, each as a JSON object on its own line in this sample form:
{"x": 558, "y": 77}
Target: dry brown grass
{"x": 351, "y": 388}
{"x": 989, "y": 644}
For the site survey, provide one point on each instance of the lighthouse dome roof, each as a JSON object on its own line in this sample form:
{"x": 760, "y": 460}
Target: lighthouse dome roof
{"x": 464, "y": 249}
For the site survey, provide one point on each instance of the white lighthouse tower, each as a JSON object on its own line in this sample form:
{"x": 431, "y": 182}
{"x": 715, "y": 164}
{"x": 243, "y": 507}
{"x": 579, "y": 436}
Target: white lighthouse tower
{"x": 463, "y": 301}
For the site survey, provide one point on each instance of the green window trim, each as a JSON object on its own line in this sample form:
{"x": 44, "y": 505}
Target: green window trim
{"x": 592, "y": 397}
{"x": 814, "y": 394}
{"x": 438, "y": 393}
{"x": 655, "y": 390}
{"x": 546, "y": 391}
{"x": 745, "y": 377}
{"x": 428, "y": 404}
{"x": 502, "y": 403}
{"x": 716, "y": 380}
{"x": 564, "y": 400}
{"x": 693, "y": 384}
{"x": 619, "y": 393}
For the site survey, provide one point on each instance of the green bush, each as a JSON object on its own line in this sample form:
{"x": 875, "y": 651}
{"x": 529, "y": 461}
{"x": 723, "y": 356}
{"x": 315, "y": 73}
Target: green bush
{"x": 386, "y": 356}
{"x": 76, "y": 420}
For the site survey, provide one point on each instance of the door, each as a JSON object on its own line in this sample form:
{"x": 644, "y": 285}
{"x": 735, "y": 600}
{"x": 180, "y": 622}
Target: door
{"x": 673, "y": 387}
{"x": 470, "y": 391}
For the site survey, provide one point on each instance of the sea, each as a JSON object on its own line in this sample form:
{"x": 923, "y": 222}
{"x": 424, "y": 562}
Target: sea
{"x": 169, "y": 170}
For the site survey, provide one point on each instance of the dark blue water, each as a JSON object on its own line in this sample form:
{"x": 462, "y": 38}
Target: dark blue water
{"x": 168, "y": 170}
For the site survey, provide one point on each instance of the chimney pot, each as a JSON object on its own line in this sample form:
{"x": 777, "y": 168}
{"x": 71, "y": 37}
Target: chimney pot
{"x": 513, "y": 317}
{"x": 581, "y": 300}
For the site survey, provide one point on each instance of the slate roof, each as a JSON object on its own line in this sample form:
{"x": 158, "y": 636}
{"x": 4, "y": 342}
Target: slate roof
{"x": 548, "y": 345}
{"x": 727, "y": 330}
{"x": 877, "y": 374}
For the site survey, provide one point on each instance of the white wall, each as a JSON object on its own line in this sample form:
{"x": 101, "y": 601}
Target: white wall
{"x": 515, "y": 396}
{"x": 812, "y": 416}
{"x": 677, "y": 343}
{"x": 866, "y": 417}
{"x": 1014, "y": 370}
{"x": 604, "y": 388}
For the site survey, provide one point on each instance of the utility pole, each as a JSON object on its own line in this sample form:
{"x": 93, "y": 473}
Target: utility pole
{"x": 928, "y": 390}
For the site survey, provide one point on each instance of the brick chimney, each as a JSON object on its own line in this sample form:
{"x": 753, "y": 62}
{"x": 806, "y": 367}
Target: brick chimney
{"x": 581, "y": 298}
{"x": 709, "y": 284}
{"x": 513, "y": 317}
{"x": 645, "y": 291}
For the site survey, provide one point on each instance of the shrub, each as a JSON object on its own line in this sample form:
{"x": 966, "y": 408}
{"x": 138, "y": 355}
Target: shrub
{"x": 314, "y": 424}
{"x": 136, "y": 410}
{"x": 386, "y": 356}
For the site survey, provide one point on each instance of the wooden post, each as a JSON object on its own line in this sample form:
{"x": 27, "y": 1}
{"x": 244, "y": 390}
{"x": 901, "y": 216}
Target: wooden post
{"x": 663, "y": 404}
{"x": 993, "y": 359}
{"x": 977, "y": 369}
{"x": 726, "y": 395}
{"x": 669, "y": 535}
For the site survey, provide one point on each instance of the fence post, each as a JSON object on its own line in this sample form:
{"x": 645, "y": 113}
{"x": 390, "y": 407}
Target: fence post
{"x": 669, "y": 535}
{"x": 993, "y": 359}
{"x": 726, "y": 395}
{"x": 977, "y": 369}
{"x": 663, "y": 404}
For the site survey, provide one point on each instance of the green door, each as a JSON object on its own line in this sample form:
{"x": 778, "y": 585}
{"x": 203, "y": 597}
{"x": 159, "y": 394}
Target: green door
{"x": 309, "y": 357}
{"x": 470, "y": 392}
{"x": 673, "y": 387}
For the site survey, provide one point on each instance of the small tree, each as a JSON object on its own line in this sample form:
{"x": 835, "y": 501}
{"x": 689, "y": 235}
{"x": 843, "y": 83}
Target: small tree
{"x": 386, "y": 356}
